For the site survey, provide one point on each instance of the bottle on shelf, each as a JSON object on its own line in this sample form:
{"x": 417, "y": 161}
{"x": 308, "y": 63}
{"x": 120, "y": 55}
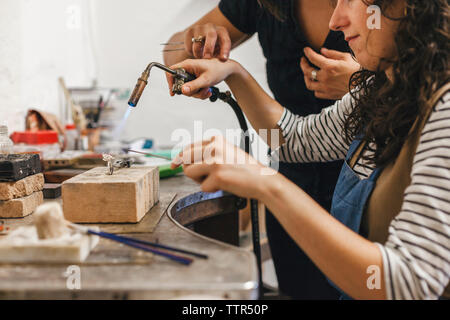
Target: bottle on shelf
{"x": 6, "y": 144}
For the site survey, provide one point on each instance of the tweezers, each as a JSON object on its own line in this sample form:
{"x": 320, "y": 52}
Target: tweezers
{"x": 173, "y": 44}
{"x": 198, "y": 39}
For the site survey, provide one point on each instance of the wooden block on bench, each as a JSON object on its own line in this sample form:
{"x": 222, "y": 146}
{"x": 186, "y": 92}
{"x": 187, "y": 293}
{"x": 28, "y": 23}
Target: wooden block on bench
{"x": 19, "y": 208}
{"x": 61, "y": 175}
{"x": 21, "y": 188}
{"x": 125, "y": 196}
{"x": 52, "y": 190}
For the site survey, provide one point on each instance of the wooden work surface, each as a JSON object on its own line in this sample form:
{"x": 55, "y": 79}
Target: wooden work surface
{"x": 114, "y": 271}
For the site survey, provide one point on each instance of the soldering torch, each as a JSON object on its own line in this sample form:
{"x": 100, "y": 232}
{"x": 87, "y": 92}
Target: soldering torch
{"x": 180, "y": 78}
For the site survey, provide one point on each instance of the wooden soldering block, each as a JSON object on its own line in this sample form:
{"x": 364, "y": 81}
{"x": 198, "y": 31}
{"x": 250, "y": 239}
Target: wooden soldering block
{"x": 21, "y": 188}
{"x": 125, "y": 196}
{"x": 19, "y": 208}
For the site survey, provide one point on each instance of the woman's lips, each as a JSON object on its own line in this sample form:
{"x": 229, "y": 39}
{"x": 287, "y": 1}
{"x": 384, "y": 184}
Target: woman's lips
{"x": 350, "y": 39}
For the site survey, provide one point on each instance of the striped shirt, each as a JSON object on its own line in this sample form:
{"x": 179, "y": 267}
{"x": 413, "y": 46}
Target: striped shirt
{"x": 416, "y": 256}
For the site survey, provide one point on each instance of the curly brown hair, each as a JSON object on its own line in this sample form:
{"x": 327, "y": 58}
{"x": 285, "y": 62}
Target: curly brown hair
{"x": 385, "y": 111}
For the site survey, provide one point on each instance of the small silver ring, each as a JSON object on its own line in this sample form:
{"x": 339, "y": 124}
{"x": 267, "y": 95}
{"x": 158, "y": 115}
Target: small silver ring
{"x": 198, "y": 39}
{"x": 314, "y": 75}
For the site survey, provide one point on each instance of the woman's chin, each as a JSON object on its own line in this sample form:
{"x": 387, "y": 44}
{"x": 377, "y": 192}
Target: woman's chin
{"x": 366, "y": 62}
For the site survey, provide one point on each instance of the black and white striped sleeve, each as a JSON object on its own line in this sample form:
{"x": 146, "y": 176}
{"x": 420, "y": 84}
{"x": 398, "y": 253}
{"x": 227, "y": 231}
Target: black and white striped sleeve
{"x": 315, "y": 138}
{"x": 416, "y": 257}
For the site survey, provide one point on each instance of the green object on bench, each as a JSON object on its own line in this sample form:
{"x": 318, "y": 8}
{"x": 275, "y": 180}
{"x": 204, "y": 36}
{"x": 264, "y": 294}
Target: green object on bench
{"x": 164, "y": 169}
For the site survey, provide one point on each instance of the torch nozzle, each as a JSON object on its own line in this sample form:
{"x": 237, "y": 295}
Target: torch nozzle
{"x": 143, "y": 81}
{"x": 140, "y": 86}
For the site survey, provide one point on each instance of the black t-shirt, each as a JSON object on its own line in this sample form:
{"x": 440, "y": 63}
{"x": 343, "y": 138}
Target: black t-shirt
{"x": 282, "y": 43}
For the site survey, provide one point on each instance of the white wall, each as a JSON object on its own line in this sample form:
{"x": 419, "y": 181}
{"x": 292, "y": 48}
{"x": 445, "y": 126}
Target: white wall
{"x": 10, "y": 58}
{"x": 38, "y": 44}
{"x": 111, "y": 41}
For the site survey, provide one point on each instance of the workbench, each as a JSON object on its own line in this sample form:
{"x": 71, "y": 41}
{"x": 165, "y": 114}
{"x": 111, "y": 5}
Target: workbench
{"x": 114, "y": 271}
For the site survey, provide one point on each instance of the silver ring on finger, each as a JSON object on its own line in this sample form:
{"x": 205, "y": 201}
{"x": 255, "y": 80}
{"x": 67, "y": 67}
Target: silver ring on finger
{"x": 199, "y": 39}
{"x": 314, "y": 75}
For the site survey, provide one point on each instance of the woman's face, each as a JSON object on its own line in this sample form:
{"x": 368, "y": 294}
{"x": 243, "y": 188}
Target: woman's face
{"x": 370, "y": 41}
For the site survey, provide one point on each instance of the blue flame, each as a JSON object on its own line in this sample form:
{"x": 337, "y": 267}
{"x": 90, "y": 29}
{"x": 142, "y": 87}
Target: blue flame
{"x": 122, "y": 124}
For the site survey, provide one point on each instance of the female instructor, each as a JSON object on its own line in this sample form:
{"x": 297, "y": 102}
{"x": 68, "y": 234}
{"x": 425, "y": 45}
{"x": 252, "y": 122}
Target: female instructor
{"x": 388, "y": 233}
{"x": 291, "y": 33}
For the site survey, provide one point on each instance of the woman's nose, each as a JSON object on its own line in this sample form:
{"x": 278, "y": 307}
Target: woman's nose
{"x": 339, "y": 19}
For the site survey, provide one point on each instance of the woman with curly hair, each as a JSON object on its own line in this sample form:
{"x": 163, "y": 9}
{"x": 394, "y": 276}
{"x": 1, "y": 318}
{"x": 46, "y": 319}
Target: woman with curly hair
{"x": 389, "y": 229}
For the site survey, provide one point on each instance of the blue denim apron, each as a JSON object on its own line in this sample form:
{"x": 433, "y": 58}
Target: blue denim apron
{"x": 351, "y": 196}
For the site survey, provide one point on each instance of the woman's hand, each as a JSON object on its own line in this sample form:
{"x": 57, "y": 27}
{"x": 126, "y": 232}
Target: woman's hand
{"x": 333, "y": 75}
{"x": 208, "y": 72}
{"x": 218, "y": 165}
{"x": 216, "y": 42}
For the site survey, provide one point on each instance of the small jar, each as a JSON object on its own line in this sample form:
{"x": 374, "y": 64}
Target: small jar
{"x": 72, "y": 137}
{"x": 6, "y": 144}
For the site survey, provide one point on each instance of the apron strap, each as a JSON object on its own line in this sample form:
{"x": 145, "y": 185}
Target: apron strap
{"x": 355, "y": 157}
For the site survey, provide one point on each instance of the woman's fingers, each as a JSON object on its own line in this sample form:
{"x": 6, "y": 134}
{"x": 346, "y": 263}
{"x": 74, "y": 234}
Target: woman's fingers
{"x": 311, "y": 84}
{"x": 169, "y": 78}
{"x": 210, "y": 184}
{"x": 190, "y": 154}
{"x": 198, "y": 87}
{"x": 308, "y": 69}
{"x": 197, "y": 172}
{"x": 203, "y": 40}
{"x": 210, "y": 44}
{"x": 213, "y": 41}
{"x": 224, "y": 43}
{"x": 321, "y": 95}
{"x": 203, "y": 94}
{"x": 197, "y": 46}
{"x": 206, "y": 151}
{"x": 335, "y": 55}
{"x": 219, "y": 165}
{"x": 317, "y": 59}
{"x": 331, "y": 80}
{"x": 204, "y": 174}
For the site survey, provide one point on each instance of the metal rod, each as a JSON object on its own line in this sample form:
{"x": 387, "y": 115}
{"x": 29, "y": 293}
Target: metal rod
{"x": 130, "y": 242}
{"x": 148, "y": 154}
{"x": 157, "y": 245}
{"x": 161, "y": 66}
{"x": 182, "y": 260}
{"x": 172, "y": 43}
{"x": 172, "y": 50}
